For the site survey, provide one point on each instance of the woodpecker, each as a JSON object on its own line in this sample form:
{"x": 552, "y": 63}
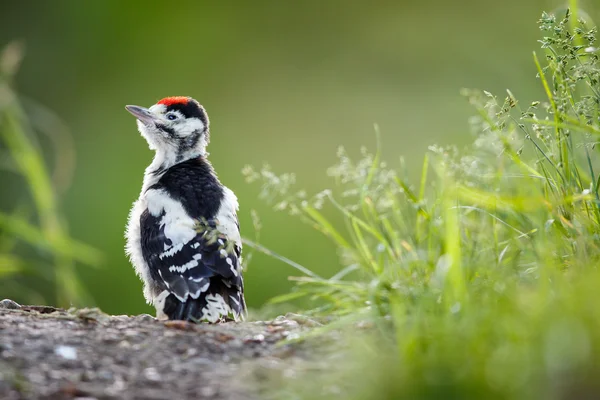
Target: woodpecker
{"x": 183, "y": 235}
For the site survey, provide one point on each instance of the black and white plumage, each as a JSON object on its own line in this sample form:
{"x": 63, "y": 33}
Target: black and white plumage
{"x": 183, "y": 234}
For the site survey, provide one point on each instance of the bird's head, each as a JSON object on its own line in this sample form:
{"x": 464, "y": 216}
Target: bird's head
{"x": 175, "y": 127}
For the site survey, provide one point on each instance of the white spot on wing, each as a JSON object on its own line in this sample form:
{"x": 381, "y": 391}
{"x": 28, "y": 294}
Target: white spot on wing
{"x": 202, "y": 288}
{"x": 231, "y": 298}
{"x": 232, "y": 267}
{"x": 171, "y": 251}
{"x": 189, "y": 265}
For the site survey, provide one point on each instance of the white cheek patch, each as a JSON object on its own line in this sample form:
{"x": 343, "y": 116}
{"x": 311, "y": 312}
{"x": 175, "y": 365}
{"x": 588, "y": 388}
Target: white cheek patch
{"x": 188, "y": 126}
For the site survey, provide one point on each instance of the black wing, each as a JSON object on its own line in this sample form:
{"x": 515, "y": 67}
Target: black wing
{"x": 208, "y": 263}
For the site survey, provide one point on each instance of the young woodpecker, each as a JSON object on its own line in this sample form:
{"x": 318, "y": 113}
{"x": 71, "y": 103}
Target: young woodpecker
{"x": 183, "y": 235}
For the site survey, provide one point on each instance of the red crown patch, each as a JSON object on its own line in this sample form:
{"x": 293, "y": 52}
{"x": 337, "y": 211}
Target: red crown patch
{"x": 169, "y": 101}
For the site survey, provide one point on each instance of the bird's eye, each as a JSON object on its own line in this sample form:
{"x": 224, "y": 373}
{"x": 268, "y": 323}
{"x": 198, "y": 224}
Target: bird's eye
{"x": 171, "y": 117}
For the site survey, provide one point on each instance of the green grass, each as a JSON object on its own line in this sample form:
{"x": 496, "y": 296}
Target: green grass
{"x": 34, "y": 241}
{"x": 480, "y": 280}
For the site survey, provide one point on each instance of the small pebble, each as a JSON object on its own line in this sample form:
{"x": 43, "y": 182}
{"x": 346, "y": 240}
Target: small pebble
{"x": 208, "y": 391}
{"x": 152, "y": 374}
{"x": 66, "y": 352}
{"x": 145, "y": 318}
{"x": 8, "y": 304}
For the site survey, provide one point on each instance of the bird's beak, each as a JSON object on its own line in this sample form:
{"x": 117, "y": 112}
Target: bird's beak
{"x": 141, "y": 113}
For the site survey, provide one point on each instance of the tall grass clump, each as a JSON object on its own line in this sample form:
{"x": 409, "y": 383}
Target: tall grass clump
{"x": 480, "y": 280}
{"x": 34, "y": 241}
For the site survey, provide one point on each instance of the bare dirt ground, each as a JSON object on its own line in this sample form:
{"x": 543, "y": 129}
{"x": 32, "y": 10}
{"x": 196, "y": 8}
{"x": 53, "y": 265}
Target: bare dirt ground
{"x": 48, "y": 353}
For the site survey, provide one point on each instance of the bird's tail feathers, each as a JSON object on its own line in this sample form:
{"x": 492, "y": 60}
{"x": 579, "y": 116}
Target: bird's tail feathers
{"x": 219, "y": 302}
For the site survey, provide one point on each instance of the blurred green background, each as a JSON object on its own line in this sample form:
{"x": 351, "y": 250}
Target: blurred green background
{"x": 283, "y": 82}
